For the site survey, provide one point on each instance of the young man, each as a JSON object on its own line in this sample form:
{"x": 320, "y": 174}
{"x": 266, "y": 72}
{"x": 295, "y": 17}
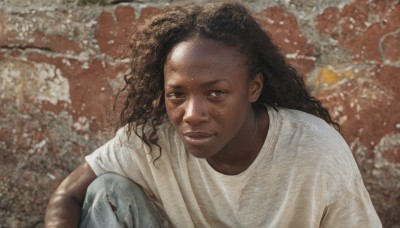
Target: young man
{"x": 217, "y": 131}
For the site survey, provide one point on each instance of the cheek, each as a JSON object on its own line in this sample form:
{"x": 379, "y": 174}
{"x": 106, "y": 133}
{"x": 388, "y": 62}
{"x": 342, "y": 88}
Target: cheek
{"x": 237, "y": 110}
{"x": 224, "y": 114}
{"x": 173, "y": 113}
{"x": 218, "y": 113}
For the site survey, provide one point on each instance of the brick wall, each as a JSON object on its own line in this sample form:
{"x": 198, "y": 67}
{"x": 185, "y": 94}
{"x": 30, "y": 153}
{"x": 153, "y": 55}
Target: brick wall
{"x": 62, "y": 61}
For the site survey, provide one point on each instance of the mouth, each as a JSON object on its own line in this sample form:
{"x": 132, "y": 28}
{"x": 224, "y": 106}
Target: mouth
{"x": 197, "y": 138}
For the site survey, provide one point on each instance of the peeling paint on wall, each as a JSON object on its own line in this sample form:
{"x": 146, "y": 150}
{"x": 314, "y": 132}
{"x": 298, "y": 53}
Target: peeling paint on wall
{"x": 37, "y": 82}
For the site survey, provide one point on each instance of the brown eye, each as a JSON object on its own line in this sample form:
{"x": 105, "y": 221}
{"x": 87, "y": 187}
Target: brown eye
{"x": 217, "y": 93}
{"x": 176, "y": 96}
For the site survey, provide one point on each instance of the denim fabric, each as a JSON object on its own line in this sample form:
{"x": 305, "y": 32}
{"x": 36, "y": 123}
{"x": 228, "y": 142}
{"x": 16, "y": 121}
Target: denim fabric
{"x": 115, "y": 201}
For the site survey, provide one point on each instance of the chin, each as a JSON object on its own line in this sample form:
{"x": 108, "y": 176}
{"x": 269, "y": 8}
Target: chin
{"x": 198, "y": 153}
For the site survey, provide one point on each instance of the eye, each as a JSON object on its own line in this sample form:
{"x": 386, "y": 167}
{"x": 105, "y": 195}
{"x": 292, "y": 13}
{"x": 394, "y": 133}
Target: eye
{"x": 216, "y": 93}
{"x": 174, "y": 96}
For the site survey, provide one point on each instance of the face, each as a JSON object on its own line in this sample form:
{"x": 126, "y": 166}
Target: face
{"x": 208, "y": 96}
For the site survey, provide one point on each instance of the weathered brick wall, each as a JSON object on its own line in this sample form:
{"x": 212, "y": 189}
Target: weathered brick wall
{"x": 62, "y": 61}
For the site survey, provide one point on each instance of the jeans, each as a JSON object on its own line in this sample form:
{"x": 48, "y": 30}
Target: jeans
{"x": 115, "y": 201}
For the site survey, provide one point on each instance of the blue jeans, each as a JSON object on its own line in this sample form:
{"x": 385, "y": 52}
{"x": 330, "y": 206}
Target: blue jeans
{"x": 115, "y": 201}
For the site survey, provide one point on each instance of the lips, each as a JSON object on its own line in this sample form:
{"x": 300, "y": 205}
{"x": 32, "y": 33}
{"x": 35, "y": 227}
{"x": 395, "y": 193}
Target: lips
{"x": 198, "y": 138}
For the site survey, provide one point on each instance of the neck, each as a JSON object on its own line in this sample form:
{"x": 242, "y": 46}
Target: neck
{"x": 240, "y": 155}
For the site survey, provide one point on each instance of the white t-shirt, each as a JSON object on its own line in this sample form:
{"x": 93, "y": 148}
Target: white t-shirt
{"x": 304, "y": 176}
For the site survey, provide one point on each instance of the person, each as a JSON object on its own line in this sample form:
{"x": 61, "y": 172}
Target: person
{"x": 217, "y": 130}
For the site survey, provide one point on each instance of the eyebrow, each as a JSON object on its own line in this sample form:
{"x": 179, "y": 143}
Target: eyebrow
{"x": 205, "y": 84}
{"x": 213, "y": 82}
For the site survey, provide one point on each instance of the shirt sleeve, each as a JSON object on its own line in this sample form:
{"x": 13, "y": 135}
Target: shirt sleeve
{"x": 128, "y": 157}
{"x": 101, "y": 159}
{"x": 116, "y": 156}
{"x": 353, "y": 206}
{"x": 352, "y": 209}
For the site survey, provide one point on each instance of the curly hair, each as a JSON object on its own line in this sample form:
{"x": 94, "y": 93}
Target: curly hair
{"x": 227, "y": 22}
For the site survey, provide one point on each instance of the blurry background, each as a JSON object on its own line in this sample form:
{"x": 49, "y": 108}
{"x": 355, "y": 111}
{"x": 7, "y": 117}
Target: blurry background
{"x": 62, "y": 61}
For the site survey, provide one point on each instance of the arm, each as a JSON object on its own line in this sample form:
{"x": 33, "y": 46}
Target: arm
{"x": 65, "y": 205}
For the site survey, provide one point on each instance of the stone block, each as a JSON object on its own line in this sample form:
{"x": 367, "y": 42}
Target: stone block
{"x": 361, "y": 27}
{"x": 285, "y": 32}
{"x": 40, "y": 30}
{"x": 114, "y": 29}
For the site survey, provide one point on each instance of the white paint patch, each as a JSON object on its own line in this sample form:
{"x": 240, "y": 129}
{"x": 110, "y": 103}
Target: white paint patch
{"x": 297, "y": 56}
{"x": 53, "y": 86}
{"x": 37, "y": 82}
{"x": 38, "y": 147}
{"x": 83, "y": 124}
{"x": 390, "y": 141}
{"x": 51, "y": 176}
{"x": 270, "y": 21}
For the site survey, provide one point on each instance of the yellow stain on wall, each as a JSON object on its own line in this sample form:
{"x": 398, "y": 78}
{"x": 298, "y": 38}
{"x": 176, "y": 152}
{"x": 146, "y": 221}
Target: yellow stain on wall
{"x": 348, "y": 74}
{"x": 328, "y": 77}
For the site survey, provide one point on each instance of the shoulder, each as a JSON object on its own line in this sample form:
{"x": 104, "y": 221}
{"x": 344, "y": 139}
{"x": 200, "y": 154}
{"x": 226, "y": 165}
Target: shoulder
{"x": 300, "y": 119}
{"x": 167, "y": 142}
{"x": 309, "y": 128}
{"x": 306, "y": 128}
{"x": 130, "y": 138}
{"x": 315, "y": 146}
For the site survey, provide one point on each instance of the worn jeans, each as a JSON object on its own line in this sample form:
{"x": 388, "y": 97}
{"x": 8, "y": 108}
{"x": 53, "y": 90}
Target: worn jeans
{"x": 115, "y": 201}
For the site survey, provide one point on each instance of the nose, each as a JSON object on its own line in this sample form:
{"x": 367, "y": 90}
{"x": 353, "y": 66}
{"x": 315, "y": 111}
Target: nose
{"x": 195, "y": 111}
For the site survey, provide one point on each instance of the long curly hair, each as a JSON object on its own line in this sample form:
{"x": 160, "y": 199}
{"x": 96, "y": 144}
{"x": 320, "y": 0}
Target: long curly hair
{"x": 227, "y": 22}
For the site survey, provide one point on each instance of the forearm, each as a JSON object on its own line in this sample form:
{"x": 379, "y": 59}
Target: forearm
{"x": 64, "y": 207}
{"x": 62, "y": 211}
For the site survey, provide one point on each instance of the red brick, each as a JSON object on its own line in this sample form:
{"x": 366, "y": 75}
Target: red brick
{"x": 285, "y": 32}
{"x": 125, "y": 16}
{"x": 388, "y": 77}
{"x": 146, "y": 13}
{"x": 327, "y": 22}
{"x": 303, "y": 66}
{"x": 2, "y": 25}
{"x": 366, "y": 106}
{"x": 350, "y": 27}
{"x": 13, "y": 53}
{"x": 390, "y": 47}
{"x": 90, "y": 93}
{"x": 392, "y": 154}
{"x": 33, "y": 37}
{"x": 114, "y": 30}
{"x": 57, "y": 43}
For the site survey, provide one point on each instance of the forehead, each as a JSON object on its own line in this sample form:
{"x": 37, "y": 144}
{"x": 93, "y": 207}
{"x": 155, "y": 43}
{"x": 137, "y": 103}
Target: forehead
{"x": 200, "y": 53}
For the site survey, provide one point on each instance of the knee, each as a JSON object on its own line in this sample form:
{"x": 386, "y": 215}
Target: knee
{"x": 113, "y": 196}
{"x": 111, "y": 183}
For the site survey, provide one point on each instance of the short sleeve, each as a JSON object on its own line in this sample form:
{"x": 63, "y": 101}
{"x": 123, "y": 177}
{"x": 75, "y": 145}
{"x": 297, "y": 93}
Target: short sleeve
{"x": 115, "y": 156}
{"x": 101, "y": 159}
{"x": 352, "y": 209}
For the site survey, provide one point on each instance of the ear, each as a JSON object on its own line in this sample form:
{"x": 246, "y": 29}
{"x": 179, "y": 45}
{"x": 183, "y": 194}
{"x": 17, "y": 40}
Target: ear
{"x": 256, "y": 86}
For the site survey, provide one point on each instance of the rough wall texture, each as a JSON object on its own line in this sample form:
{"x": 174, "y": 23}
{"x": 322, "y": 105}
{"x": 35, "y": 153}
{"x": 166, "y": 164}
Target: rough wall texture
{"x": 62, "y": 61}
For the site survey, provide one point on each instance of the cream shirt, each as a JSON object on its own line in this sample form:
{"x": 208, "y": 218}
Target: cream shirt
{"x": 304, "y": 176}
